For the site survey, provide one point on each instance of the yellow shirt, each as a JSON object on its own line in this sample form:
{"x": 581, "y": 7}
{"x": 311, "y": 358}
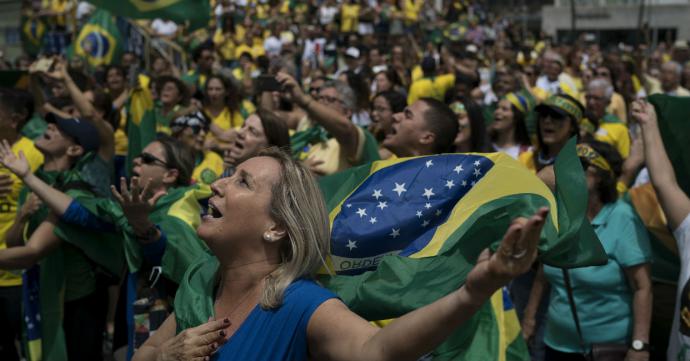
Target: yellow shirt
{"x": 411, "y": 10}
{"x": 225, "y": 45}
{"x": 435, "y": 87}
{"x": 329, "y": 152}
{"x": 242, "y": 48}
{"x": 210, "y": 168}
{"x": 9, "y": 203}
{"x": 349, "y": 15}
{"x": 615, "y": 134}
{"x": 121, "y": 141}
{"x": 227, "y": 119}
{"x": 417, "y": 73}
{"x": 617, "y": 107}
{"x": 527, "y": 159}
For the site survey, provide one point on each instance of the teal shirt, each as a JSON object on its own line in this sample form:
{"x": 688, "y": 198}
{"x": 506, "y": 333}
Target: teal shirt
{"x": 602, "y": 295}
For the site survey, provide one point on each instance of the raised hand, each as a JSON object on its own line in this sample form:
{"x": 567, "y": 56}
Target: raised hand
{"x": 514, "y": 256}
{"x": 32, "y": 204}
{"x": 644, "y": 113}
{"x": 197, "y": 343}
{"x": 16, "y": 164}
{"x": 292, "y": 89}
{"x": 136, "y": 202}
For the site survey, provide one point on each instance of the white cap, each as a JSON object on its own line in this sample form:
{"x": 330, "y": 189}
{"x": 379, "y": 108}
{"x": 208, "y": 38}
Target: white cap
{"x": 352, "y": 52}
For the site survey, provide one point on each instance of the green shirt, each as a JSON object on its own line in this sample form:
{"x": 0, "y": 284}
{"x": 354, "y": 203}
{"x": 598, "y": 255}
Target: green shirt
{"x": 602, "y": 295}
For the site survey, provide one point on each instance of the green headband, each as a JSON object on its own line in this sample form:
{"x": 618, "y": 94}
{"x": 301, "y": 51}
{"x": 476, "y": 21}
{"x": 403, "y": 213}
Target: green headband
{"x": 567, "y": 105}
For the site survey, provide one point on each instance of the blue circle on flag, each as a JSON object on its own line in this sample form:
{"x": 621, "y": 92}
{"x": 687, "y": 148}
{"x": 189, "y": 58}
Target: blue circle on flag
{"x": 95, "y": 44}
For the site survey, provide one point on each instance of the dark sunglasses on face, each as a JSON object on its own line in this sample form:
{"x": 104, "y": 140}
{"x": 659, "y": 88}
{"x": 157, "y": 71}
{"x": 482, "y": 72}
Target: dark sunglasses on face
{"x": 553, "y": 115}
{"x": 149, "y": 159}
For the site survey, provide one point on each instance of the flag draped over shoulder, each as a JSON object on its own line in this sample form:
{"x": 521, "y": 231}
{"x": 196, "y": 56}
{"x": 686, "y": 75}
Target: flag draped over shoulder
{"x": 44, "y": 284}
{"x": 177, "y": 214}
{"x": 197, "y": 12}
{"x": 99, "y": 42}
{"x": 406, "y": 232}
{"x": 300, "y": 142}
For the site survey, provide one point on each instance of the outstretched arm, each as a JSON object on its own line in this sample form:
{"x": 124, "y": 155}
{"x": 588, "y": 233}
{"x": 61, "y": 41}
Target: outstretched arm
{"x": 335, "y": 333}
{"x": 106, "y": 150}
{"x": 674, "y": 201}
{"x": 335, "y": 123}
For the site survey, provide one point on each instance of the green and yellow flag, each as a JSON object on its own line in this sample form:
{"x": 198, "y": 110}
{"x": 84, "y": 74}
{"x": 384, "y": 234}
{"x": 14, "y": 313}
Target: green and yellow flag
{"x": 197, "y": 12}
{"x": 32, "y": 31}
{"x": 141, "y": 123}
{"x": 406, "y": 232}
{"x": 99, "y": 42}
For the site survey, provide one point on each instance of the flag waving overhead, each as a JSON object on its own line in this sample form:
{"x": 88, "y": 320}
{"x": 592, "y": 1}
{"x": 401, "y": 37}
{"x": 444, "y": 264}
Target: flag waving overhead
{"x": 99, "y": 41}
{"x": 406, "y": 232}
{"x": 197, "y": 12}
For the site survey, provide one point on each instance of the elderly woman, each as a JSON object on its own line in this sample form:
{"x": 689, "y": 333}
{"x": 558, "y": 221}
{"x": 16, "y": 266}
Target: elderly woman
{"x": 613, "y": 302}
{"x": 267, "y": 230}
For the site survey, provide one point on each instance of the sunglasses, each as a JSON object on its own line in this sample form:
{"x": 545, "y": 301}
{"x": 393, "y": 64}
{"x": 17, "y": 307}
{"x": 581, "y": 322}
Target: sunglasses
{"x": 553, "y": 115}
{"x": 149, "y": 159}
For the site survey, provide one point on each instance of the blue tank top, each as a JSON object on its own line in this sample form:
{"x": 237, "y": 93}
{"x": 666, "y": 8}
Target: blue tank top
{"x": 278, "y": 334}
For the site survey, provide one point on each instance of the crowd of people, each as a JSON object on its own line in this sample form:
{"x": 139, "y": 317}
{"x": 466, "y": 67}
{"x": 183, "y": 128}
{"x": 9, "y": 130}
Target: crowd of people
{"x": 220, "y": 211}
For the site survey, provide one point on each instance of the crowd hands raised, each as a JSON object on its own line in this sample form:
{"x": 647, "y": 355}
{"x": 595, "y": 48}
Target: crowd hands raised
{"x": 282, "y": 95}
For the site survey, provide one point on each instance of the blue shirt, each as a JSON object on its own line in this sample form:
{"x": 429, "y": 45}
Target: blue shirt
{"x": 277, "y": 334}
{"x": 602, "y": 295}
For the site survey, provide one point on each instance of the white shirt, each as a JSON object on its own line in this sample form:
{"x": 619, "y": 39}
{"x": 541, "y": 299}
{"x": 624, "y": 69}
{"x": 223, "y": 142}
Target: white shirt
{"x": 327, "y": 14}
{"x": 679, "y": 341}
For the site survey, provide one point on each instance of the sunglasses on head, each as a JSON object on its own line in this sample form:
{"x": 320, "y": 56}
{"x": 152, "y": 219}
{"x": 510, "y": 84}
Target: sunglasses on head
{"x": 150, "y": 159}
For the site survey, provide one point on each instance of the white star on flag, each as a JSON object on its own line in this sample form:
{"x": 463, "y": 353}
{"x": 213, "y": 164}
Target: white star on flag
{"x": 351, "y": 244}
{"x": 438, "y": 212}
{"x": 419, "y": 214}
{"x": 427, "y": 205}
{"x": 458, "y": 169}
{"x": 477, "y": 172}
{"x": 395, "y": 232}
{"x": 428, "y": 192}
{"x": 361, "y": 212}
{"x": 429, "y": 163}
{"x": 399, "y": 188}
{"x": 348, "y": 205}
{"x": 372, "y": 220}
{"x": 383, "y": 205}
{"x": 464, "y": 183}
{"x": 450, "y": 184}
{"x": 377, "y": 194}
{"x": 476, "y": 163}
{"x": 425, "y": 223}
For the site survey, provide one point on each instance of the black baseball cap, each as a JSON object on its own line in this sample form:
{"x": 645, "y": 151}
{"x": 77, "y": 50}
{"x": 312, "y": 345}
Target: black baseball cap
{"x": 83, "y": 132}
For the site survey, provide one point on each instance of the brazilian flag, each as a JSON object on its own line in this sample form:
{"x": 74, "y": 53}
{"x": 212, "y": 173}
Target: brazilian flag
{"x": 197, "y": 12}
{"x": 301, "y": 141}
{"x": 177, "y": 214}
{"x": 99, "y": 42}
{"x": 44, "y": 285}
{"x": 141, "y": 123}
{"x": 32, "y": 31}
{"x": 406, "y": 232}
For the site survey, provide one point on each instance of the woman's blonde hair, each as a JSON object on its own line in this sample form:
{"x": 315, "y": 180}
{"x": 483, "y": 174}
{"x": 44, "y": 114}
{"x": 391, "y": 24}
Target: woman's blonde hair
{"x": 296, "y": 204}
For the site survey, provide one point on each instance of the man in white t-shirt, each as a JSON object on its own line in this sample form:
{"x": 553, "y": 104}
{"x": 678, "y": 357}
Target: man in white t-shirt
{"x": 676, "y": 206}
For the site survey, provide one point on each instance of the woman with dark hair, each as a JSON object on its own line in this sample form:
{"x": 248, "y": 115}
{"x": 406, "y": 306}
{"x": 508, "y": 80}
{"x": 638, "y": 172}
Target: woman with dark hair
{"x": 387, "y": 80}
{"x": 558, "y": 120}
{"x": 261, "y": 130}
{"x": 383, "y": 106}
{"x": 223, "y": 103}
{"x": 471, "y": 128}
{"x": 360, "y": 113}
{"x": 508, "y": 131}
{"x": 613, "y": 302}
